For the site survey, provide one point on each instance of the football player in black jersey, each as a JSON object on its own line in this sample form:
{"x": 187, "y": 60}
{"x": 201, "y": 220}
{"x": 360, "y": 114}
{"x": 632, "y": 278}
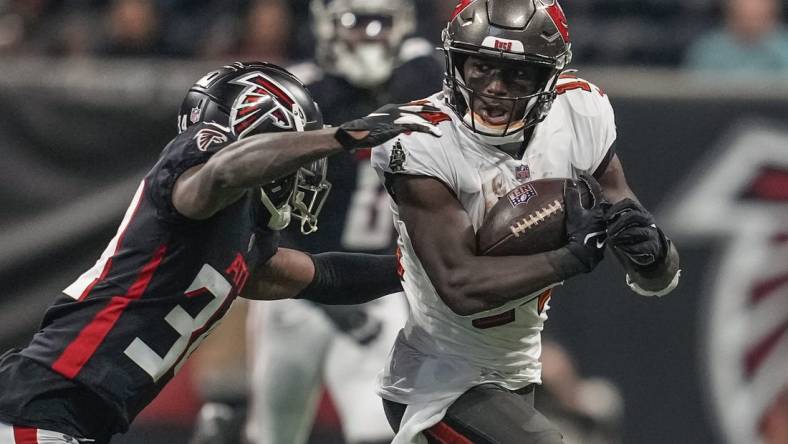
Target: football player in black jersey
{"x": 201, "y": 229}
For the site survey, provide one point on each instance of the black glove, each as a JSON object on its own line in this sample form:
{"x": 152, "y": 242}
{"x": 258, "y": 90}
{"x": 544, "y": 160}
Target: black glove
{"x": 354, "y": 322}
{"x": 632, "y": 230}
{"x": 585, "y": 227}
{"x": 387, "y": 123}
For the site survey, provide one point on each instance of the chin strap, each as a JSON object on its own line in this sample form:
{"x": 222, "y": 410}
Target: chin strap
{"x": 280, "y": 217}
{"x": 514, "y": 137}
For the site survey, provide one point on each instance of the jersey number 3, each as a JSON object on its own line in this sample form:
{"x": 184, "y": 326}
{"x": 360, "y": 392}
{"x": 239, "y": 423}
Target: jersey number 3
{"x": 208, "y": 279}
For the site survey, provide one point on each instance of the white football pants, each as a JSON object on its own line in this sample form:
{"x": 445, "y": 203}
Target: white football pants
{"x": 294, "y": 350}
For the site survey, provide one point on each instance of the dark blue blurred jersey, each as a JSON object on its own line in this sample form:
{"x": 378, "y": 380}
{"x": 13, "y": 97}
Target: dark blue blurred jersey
{"x": 357, "y": 215}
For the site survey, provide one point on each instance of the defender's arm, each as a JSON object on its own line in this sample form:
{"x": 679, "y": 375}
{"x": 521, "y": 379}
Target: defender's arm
{"x": 650, "y": 258}
{"x": 207, "y": 188}
{"x": 326, "y": 278}
{"x": 443, "y": 237}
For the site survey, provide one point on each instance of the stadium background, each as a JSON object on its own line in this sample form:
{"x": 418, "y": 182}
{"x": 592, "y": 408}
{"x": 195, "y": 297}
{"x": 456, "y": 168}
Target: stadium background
{"x": 89, "y": 90}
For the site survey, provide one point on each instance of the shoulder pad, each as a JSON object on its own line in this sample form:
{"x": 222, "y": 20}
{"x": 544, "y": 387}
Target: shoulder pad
{"x": 421, "y": 155}
{"x": 194, "y": 146}
{"x": 590, "y": 115}
{"x": 582, "y": 96}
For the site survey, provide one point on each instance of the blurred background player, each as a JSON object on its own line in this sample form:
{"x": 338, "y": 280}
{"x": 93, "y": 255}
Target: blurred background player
{"x": 365, "y": 57}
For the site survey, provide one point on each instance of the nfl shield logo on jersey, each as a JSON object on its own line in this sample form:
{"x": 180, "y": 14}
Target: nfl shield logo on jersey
{"x": 522, "y": 173}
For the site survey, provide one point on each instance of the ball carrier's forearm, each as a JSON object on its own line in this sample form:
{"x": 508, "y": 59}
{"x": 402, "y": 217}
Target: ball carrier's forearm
{"x": 266, "y": 157}
{"x": 444, "y": 240}
{"x": 478, "y": 283}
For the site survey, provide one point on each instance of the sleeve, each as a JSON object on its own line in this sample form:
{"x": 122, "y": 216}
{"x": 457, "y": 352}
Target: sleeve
{"x": 418, "y": 155}
{"x": 191, "y": 148}
{"x": 594, "y": 125}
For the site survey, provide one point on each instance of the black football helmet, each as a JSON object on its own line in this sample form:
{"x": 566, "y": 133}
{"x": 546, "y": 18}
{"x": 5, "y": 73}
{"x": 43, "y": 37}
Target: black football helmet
{"x": 532, "y": 34}
{"x": 255, "y": 98}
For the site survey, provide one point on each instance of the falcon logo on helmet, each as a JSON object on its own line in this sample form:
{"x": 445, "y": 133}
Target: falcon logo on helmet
{"x": 264, "y": 99}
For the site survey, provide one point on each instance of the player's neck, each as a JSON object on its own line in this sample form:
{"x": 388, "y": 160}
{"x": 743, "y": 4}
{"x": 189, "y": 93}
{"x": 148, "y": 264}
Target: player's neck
{"x": 512, "y": 149}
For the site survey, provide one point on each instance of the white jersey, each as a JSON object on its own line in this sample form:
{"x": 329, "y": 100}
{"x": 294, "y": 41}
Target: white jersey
{"x": 439, "y": 353}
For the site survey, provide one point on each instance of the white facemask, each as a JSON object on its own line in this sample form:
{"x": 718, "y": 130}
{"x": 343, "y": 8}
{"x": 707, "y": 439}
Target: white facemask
{"x": 367, "y": 65}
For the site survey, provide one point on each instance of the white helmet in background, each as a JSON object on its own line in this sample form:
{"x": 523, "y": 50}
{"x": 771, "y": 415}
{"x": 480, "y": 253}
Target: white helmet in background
{"x": 360, "y": 40}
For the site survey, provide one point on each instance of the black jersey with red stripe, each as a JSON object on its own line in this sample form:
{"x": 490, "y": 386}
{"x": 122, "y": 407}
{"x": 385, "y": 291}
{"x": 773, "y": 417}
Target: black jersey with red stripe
{"x": 125, "y": 326}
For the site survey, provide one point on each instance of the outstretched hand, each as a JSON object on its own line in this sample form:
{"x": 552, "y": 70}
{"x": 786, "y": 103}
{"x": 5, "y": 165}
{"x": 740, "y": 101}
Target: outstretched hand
{"x": 385, "y": 124}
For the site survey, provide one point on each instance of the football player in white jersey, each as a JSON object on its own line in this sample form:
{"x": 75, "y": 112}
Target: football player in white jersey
{"x": 463, "y": 369}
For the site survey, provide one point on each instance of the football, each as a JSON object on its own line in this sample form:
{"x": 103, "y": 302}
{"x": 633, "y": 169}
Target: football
{"x": 530, "y": 219}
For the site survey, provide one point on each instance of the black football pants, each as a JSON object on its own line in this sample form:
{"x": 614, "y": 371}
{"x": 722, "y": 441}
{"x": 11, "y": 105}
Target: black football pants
{"x": 487, "y": 414}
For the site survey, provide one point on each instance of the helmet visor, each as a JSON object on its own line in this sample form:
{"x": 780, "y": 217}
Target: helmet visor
{"x": 354, "y": 27}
